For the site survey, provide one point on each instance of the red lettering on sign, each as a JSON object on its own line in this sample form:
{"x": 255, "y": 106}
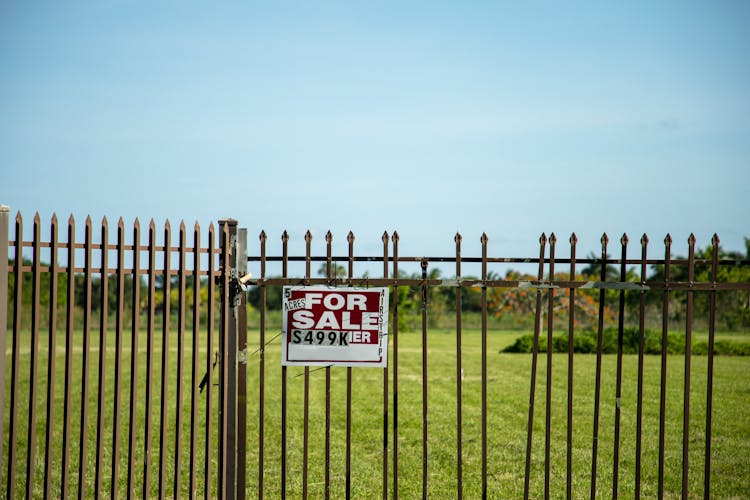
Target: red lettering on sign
{"x": 357, "y": 313}
{"x": 342, "y": 326}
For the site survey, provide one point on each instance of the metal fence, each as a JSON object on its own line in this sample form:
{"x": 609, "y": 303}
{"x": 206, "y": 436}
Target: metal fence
{"x": 547, "y": 285}
{"x": 118, "y": 417}
{"x": 174, "y": 298}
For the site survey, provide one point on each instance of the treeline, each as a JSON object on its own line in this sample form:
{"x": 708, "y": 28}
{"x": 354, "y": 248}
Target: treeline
{"x": 96, "y": 296}
{"x": 507, "y": 307}
{"x": 515, "y": 307}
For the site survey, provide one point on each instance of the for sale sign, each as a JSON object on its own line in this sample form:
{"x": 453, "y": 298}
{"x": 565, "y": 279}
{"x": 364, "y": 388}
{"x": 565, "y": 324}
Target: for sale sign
{"x": 325, "y": 326}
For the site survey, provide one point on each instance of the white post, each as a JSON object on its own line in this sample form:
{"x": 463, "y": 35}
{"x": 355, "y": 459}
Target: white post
{"x": 4, "y": 214}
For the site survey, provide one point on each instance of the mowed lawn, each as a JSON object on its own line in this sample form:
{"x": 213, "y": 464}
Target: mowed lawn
{"x": 508, "y": 381}
{"x": 508, "y": 378}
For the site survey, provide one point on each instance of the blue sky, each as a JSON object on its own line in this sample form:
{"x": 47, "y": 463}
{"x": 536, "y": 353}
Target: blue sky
{"x": 429, "y": 118}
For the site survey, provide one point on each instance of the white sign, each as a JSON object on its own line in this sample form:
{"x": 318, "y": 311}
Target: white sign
{"x": 324, "y": 326}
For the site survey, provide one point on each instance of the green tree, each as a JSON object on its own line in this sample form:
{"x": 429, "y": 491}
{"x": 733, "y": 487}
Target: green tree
{"x": 593, "y": 271}
{"x": 732, "y": 307}
{"x": 519, "y": 303}
{"x": 337, "y": 270}
{"x": 273, "y": 297}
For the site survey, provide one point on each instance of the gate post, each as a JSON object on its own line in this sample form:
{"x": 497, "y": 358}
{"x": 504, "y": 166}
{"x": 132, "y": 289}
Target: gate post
{"x": 4, "y": 212}
{"x": 233, "y": 348}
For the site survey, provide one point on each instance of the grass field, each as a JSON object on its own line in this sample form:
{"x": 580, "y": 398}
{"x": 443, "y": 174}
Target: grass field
{"x": 508, "y": 393}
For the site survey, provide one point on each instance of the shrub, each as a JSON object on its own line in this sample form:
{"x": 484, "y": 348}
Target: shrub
{"x": 585, "y": 342}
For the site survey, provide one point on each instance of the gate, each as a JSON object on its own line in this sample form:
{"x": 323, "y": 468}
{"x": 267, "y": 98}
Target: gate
{"x": 102, "y": 335}
{"x": 98, "y": 401}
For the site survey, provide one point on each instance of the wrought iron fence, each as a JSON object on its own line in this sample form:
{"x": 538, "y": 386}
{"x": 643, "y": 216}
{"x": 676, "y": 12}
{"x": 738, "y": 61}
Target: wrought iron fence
{"x": 163, "y": 298}
{"x": 126, "y": 427}
{"x": 547, "y": 284}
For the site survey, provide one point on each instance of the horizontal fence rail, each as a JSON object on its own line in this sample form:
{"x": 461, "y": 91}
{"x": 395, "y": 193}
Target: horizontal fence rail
{"x": 100, "y": 404}
{"x": 613, "y": 282}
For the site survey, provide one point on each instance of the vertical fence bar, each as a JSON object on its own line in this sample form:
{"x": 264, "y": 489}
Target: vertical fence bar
{"x": 4, "y": 213}
{"x": 688, "y": 355}
{"x": 548, "y": 387}
{"x": 262, "y": 368}
{"x": 165, "y": 360}
{"x": 240, "y": 360}
{"x": 134, "y": 332}
{"x": 618, "y": 382}
{"x": 348, "y": 452}
{"x": 180, "y": 354}
{"x": 571, "y": 329}
{"x": 663, "y": 382}
{"x": 327, "y": 472}
{"x": 51, "y": 344}
{"x": 483, "y": 240}
{"x": 69, "y": 313}
{"x": 223, "y": 281}
{"x": 710, "y": 369}
{"x": 194, "y": 365}
{"x": 82, "y": 447}
{"x": 384, "y": 239}
{"x": 598, "y": 376}
{"x": 209, "y": 367}
{"x": 284, "y": 273}
{"x": 459, "y": 376}
{"x": 34, "y": 358}
{"x": 17, "y": 301}
{"x": 534, "y": 356}
{"x": 641, "y": 346}
{"x": 149, "y": 358}
{"x": 424, "y": 264}
{"x": 228, "y": 383}
{"x": 224, "y": 326}
{"x": 103, "y": 313}
{"x": 306, "y": 395}
{"x": 395, "y": 239}
{"x": 118, "y": 354}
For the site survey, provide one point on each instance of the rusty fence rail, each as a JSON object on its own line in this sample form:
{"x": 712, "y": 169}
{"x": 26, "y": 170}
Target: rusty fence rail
{"x": 547, "y": 283}
{"x": 132, "y": 317}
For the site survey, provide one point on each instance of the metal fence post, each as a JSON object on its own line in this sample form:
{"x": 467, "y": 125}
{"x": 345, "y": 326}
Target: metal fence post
{"x": 234, "y": 342}
{"x": 4, "y": 213}
{"x": 240, "y": 309}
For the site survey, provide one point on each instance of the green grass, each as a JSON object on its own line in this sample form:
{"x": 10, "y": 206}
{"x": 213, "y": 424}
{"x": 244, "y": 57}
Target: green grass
{"x": 75, "y": 409}
{"x": 508, "y": 393}
{"x": 507, "y": 396}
